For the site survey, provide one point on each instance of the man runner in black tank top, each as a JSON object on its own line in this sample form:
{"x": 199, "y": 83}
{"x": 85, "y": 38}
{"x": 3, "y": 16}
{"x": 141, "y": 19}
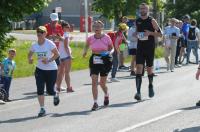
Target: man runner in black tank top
{"x": 147, "y": 29}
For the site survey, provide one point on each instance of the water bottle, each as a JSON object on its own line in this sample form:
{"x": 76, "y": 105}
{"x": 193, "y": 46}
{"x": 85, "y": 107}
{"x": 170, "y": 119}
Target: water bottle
{"x": 104, "y": 53}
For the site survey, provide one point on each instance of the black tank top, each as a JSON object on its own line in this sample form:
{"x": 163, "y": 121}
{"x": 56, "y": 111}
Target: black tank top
{"x": 145, "y": 24}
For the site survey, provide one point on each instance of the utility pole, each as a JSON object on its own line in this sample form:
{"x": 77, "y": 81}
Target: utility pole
{"x": 86, "y": 18}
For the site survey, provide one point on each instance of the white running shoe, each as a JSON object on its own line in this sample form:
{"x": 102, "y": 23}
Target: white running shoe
{"x": 114, "y": 80}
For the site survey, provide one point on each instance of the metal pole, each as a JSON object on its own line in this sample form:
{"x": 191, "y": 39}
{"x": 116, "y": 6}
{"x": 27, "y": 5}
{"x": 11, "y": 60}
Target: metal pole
{"x": 174, "y": 2}
{"x": 86, "y": 18}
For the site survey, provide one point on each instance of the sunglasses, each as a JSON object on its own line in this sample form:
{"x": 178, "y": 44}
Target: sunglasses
{"x": 40, "y": 32}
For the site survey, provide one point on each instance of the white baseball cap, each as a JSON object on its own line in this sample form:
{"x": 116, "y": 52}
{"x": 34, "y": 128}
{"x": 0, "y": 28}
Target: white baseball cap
{"x": 54, "y": 16}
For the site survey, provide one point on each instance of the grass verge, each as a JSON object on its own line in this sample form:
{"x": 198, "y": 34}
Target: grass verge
{"x": 24, "y": 69}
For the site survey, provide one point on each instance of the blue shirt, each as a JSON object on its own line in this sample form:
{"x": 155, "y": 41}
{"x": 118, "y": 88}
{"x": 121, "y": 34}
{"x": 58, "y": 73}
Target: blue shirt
{"x": 8, "y": 67}
{"x": 185, "y": 30}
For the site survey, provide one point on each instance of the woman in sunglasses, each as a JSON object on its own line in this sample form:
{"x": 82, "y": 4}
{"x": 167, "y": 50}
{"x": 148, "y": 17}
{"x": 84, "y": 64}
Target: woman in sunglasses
{"x": 46, "y": 69}
{"x": 100, "y": 62}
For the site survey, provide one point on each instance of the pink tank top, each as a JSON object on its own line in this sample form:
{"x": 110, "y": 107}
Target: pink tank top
{"x": 101, "y": 44}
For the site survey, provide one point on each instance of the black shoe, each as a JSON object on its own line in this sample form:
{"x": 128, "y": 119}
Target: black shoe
{"x": 95, "y": 107}
{"x": 198, "y": 103}
{"x": 7, "y": 100}
{"x": 132, "y": 73}
{"x": 138, "y": 97}
{"x": 42, "y": 112}
{"x": 56, "y": 100}
{"x": 151, "y": 91}
{"x": 106, "y": 101}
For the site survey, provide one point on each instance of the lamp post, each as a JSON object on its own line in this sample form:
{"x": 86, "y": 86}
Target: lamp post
{"x": 86, "y": 18}
{"x": 174, "y": 2}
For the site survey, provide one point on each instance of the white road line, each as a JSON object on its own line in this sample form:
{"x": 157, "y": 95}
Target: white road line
{"x": 149, "y": 121}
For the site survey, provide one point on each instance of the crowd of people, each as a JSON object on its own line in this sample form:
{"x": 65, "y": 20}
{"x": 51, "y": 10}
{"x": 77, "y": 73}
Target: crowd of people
{"x": 54, "y": 55}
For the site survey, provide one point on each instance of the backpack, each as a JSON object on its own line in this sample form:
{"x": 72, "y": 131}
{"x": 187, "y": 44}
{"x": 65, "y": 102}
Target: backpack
{"x": 112, "y": 36}
{"x": 192, "y": 34}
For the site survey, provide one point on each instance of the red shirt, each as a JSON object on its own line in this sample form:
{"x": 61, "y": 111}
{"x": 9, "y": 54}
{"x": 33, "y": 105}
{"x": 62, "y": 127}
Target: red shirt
{"x": 54, "y": 31}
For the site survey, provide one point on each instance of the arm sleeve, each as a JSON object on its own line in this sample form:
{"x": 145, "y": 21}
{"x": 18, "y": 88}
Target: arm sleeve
{"x": 32, "y": 48}
{"x": 89, "y": 40}
{"x": 52, "y": 46}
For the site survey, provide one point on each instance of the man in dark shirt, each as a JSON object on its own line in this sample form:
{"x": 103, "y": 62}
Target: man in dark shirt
{"x": 147, "y": 28}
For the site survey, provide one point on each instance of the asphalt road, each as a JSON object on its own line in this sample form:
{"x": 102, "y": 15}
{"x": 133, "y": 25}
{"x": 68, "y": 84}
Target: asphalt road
{"x": 171, "y": 110}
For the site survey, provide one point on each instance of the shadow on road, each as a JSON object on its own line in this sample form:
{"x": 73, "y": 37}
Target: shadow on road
{"x": 190, "y": 108}
{"x": 27, "y": 96}
{"x": 87, "y": 112}
{"x": 192, "y": 129}
{"x": 19, "y": 120}
{"x": 126, "y": 104}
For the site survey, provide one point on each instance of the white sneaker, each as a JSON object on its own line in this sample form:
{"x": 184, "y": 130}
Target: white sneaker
{"x": 2, "y": 102}
{"x": 168, "y": 65}
{"x": 63, "y": 88}
{"x": 114, "y": 80}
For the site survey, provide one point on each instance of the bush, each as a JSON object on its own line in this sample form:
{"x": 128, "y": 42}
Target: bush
{"x": 7, "y": 42}
{"x": 159, "y": 52}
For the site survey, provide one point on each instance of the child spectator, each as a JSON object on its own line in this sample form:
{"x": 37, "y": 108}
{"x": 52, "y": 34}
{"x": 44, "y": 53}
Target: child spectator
{"x": 8, "y": 66}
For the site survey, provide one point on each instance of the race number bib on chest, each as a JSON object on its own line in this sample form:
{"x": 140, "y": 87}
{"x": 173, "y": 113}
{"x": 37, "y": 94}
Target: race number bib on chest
{"x": 141, "y": 36}
{"x": 97, "y": 60}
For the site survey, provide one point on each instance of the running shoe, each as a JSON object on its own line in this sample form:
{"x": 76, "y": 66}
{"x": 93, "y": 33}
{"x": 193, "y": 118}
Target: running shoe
{"x": 114, "y": 80}
{"x": 138, "y": 97}
{"x": 151, "y": 91}
{"x": 106, "y": 101}
{"x": 132, "y": 73}
{"x": 70, "y": 90}
{"x": 198, "y": 103}
{"x": 42, "y": 112}
{"x": 56, "y": 100}
{"x": 95, "y": 107}
{"x": 7, "y": 100}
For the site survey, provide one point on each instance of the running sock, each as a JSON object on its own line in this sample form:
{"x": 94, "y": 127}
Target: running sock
{"x": 138, "y": 82}
{"x": 42, "y": 107}
{"x": 150, "y": 79}
{"x": 95, "y": 101}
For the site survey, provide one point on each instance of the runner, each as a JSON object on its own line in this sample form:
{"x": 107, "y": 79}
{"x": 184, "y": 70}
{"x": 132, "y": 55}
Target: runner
{"x": 65, "y": 58}
{"x": 197, "y": 77}
{"x": 171, "y": 35}
{"x": 7, "y": 68}
{"x": 100, "y": 62}
{"x": 55, "y": 33}
{"x": 46, "y": 69}
{"x": 147, "y": 29}
{"x": 132, "y": 47}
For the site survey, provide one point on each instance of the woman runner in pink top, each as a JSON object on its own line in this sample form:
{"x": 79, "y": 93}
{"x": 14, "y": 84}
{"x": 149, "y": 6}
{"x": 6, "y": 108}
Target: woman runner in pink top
{"x": 100, "y": 62}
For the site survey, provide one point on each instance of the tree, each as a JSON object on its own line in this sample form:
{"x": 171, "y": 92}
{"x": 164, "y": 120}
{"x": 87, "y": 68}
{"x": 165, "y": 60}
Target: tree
{"x": 115, "y": 9}
{"x": 183, "y": 7}
{"x": 15, "y": 10}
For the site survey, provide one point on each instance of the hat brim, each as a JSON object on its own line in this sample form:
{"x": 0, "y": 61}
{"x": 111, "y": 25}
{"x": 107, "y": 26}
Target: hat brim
{"x": 54, "y": 19}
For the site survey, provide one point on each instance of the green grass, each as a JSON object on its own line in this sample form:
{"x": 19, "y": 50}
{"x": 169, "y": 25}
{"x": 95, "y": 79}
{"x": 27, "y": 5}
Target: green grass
{"x": 24, "y": 31}
{"x": 24, "y": 69}
{"x": 159, "y": 53}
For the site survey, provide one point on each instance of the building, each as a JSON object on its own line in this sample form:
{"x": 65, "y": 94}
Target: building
{"x": 70, "y": 10}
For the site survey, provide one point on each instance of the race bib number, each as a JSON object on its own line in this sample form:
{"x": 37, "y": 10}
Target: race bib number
{"x": 97, "y": 60}
{"x": 141, "y": 36}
